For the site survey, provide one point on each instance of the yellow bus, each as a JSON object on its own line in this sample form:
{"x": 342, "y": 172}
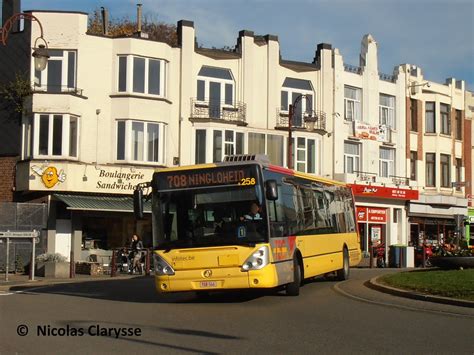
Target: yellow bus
{"x": 245, "y": 224}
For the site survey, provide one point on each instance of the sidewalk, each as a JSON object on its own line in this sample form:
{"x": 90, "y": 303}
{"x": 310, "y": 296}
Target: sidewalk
{"x": 15, "y": 280}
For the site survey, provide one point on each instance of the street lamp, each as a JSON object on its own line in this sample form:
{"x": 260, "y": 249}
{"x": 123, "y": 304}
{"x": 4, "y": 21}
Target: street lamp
{"x": 40, "y": 53}
{"x": 309, "y": 120}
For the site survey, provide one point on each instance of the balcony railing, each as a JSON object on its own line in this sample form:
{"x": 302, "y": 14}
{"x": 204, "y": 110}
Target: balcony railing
{"x": 387, "y": 77}
{"x": 207, "y": 110}
{"x": 365, "y": 176}
{"x": 352, "y": 69}
{"x": 57, "y": 89}
{"x": 315, "y": 120}
{"x": 400, "y": 180}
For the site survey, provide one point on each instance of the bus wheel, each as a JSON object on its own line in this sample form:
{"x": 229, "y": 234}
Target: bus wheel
{"x": 293, "y": 288}
{"x": 343, "y": 274}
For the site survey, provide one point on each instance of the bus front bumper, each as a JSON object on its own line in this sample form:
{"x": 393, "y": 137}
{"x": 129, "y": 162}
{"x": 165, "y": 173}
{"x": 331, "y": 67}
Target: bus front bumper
{"x": 220, "y": 279}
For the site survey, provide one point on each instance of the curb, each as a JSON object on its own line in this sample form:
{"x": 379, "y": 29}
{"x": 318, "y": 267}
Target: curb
{"x": 375, "y": 285}
{"x": 45, "y": 283}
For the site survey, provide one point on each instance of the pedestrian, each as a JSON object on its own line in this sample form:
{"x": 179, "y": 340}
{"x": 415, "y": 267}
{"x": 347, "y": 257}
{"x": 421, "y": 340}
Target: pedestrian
{"x": 135, "y": 256}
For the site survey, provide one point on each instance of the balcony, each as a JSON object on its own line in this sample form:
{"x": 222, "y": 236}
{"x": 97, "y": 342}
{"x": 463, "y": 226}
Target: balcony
{"x": 205, "y": 111}
{"x": 387, "y": 77}
{"x": 365, "y": 176}
{"x": 352, "y": 69}
{"x": 400, "y": 180}
{"x": 313, "y": 120}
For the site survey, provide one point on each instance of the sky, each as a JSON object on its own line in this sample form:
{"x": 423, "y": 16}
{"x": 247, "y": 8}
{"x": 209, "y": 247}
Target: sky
{"x": 436, "y": 35}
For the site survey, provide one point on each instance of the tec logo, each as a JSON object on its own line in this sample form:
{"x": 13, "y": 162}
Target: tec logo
{"x": 49, "y": 175}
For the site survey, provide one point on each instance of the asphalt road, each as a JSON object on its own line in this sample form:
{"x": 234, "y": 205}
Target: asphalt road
{"x": 321, "y": 320}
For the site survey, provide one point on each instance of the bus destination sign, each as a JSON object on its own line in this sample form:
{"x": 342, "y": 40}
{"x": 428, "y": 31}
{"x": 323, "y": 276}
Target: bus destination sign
{"x": 182, "y": 179}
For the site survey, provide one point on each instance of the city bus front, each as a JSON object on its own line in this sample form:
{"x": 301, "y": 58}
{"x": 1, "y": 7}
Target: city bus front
{"x": 211, "y": 229}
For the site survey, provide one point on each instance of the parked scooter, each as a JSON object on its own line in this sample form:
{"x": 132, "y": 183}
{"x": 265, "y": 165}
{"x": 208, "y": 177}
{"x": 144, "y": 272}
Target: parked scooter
{"x": 428, "y": 250}
{"x": 379, "y": 254}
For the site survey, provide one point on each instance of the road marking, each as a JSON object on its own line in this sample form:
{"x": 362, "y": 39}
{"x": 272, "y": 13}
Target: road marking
{"x": 9, "y": 293}
{"x": 337, "y": 289}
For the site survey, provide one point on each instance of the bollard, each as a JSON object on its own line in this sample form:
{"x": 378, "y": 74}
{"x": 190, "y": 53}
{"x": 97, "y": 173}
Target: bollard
{"x": 113, "y": 266}
{"x": 371, "y": 250}
{"x": 147, "y": 263}
{"x": 72, "y": 266}
{"x": 423, "y": 250}
{"x": 7, "y": 259}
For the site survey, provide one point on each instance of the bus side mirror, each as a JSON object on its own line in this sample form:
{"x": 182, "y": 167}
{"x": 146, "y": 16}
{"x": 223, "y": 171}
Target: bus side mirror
{"x": 138, "y": 203}
{"x": 271, "y": 190}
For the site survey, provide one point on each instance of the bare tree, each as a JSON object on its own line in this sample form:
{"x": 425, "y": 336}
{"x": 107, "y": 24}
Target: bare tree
{"x": 156, "y": 30}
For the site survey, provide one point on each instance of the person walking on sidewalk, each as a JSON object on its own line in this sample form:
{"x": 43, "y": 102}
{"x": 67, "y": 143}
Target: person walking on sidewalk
{"x": 136, "y": 247}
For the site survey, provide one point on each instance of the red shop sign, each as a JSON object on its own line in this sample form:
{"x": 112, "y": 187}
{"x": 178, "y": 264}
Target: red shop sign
{"x": 384, "y": 192}
{"x": 361, "y": 214}
{"x": 377, "y": 214}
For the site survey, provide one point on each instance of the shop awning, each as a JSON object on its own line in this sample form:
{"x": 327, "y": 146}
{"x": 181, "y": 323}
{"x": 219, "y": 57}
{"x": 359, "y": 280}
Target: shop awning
{"x": 102, "y": 203}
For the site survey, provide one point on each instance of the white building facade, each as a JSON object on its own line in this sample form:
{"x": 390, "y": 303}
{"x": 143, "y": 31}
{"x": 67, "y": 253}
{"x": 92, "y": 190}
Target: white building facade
{"x": 108, "y": 111}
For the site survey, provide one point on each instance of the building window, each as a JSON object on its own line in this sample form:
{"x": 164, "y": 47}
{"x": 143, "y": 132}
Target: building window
{"x": 305, "y": 160}
{"x": 430, "y": 169}
{"x": 445, "y": 170}
{"x": 458, "y": 173}
{"x": 269, "y": 144}
{"x": 56, "y": 136}
{"x": 142, "y": 75}
{"x": 413, "y": 162}
{"x": 215, "y": 85}
{"x": 227, "y": 142}
{"x": 352, "y": 103}
{"x": 351, "y": 157}
{"x": 430, "y": 117}
{"x": 387, "y": 162}
{"x": 414, "y": 115}
{"x": 459, "y": 124}
{"x": 60, "y": 73}
{"x": 140, "y": 141}
{"x": 387, "y": 110}
{"x": 445, "y": 119}
{"x": 200, "y": 157}
{"x": 290, "y": 91}
{"x": 27, "y": 137}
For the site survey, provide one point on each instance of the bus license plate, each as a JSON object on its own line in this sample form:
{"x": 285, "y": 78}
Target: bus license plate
{"x": 207, "y": 284}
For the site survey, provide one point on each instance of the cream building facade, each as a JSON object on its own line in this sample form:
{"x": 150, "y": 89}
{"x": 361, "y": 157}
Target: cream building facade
{"x": 108, "y": 111}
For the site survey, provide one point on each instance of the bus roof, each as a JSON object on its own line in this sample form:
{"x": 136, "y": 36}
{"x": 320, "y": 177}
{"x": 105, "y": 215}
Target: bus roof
{"x": 266, "y": 165}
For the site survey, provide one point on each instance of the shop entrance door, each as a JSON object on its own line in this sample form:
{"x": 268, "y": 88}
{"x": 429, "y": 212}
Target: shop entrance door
{"x": 363, "y": 237}
{"x": 63, "y": 237}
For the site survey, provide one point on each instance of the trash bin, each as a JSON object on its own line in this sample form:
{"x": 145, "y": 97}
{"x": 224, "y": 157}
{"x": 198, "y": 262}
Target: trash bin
{"x": 395, "y": 255}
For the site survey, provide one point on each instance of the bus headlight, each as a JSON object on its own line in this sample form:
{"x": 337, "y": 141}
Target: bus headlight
{"x": 257, "y": 260}
{"x": 161, "y": 266}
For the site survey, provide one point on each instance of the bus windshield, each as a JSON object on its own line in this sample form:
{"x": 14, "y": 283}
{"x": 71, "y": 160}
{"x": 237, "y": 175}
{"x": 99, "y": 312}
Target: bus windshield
{"x": 210, "y": 216}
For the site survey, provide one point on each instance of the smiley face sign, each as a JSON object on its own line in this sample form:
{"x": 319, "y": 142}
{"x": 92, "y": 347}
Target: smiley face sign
{"x": 49, "y": 175}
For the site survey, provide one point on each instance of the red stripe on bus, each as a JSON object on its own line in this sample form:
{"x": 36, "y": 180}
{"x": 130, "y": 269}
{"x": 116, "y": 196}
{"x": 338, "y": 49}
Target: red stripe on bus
{"x": 280, "y": 169}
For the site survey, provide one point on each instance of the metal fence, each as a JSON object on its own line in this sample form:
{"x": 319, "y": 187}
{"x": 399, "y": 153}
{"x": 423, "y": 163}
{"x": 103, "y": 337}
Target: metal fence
{"x": 21, "y": 217}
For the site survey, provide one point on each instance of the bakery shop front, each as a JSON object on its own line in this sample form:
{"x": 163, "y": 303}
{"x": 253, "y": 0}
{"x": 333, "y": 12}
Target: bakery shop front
{"x": 90, "y": 206}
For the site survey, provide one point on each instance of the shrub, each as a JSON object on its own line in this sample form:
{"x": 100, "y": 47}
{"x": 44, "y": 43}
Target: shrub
{"x": 50, "y": 257}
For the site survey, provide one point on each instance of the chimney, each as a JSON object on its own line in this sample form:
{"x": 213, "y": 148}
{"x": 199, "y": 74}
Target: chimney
{"x": 105, "y": 21}
{"x": 9, "y": 8}
{"x": 139, "y": 19}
